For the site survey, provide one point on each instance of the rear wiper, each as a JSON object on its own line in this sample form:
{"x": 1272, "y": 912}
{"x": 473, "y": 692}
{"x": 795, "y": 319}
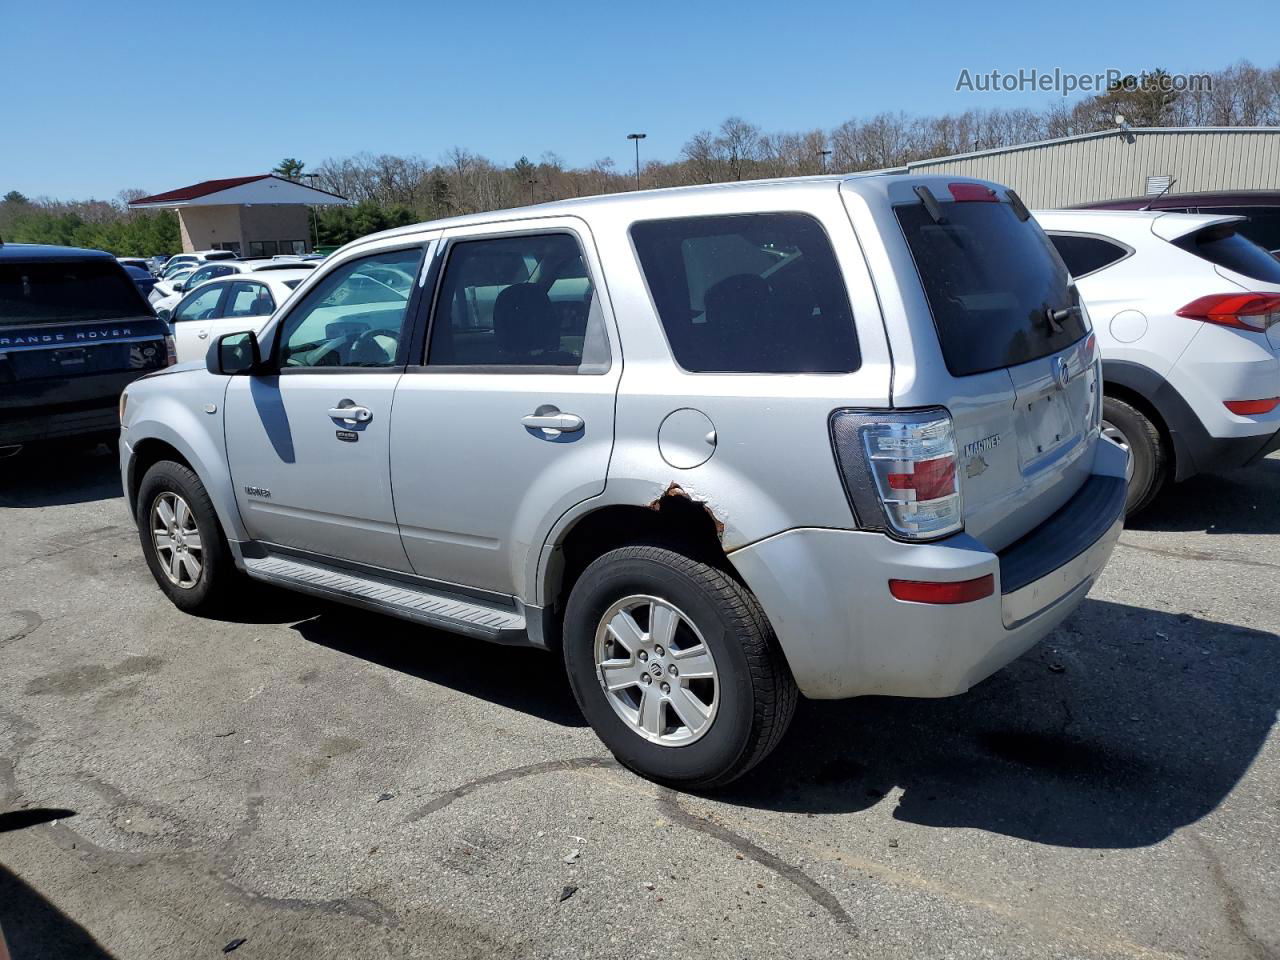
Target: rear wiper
{"x": 931, "y": 204}
{"x": 1055, "y": 317}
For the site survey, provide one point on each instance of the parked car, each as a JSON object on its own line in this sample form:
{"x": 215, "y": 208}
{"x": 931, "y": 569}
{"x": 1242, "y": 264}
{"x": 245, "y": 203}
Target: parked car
{"x": 157, "y": 262}
{"x": 226, "y": 305}
{"x": 139, "y": 262}
{"x": 831, "y": 436}
{"x": 205, "y": 272}
{"x": 74, "y": 330}
{"x": 1261, "y": 207}
{"x": 1187, "y": 311}
{"x": 141, "y": 278}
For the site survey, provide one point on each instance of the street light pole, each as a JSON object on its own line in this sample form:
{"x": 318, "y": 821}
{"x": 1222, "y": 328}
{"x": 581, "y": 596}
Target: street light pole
{"x": 637, "y": 137}
{"x": 315, "y": 217}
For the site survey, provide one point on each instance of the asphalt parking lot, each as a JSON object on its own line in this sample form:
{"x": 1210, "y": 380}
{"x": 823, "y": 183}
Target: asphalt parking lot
{"x": 319, "y": 782}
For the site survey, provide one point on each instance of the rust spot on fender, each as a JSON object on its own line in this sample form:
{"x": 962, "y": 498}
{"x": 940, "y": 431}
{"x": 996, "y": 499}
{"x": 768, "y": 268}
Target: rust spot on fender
{"x": 676, "y": 492}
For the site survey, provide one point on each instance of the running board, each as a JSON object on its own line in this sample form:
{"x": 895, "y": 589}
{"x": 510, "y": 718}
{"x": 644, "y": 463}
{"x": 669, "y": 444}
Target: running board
{"x": 475, "y": 618}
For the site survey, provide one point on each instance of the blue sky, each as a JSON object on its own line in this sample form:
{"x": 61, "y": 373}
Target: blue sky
{"x": 86, "y": 86}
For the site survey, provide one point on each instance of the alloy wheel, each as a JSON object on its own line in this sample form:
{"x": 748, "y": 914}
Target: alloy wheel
{"x": 656, "y": 670}
{"x": 177, "y": 540}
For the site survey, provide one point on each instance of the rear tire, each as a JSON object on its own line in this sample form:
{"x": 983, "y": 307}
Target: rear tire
{"x": 1130, "y": 427}
{"x": 182, "y": 539}
{"x": 712, "y": 722}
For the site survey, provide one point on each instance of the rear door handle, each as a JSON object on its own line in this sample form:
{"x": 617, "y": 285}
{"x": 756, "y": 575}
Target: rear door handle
{"x": 560, "y": 422}
{"x": 352, "y": 413}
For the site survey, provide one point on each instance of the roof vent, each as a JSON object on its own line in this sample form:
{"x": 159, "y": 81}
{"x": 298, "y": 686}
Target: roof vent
{"x": 1159, "y": 184}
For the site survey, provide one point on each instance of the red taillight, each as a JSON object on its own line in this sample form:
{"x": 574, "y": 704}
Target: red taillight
{"x": 963, "y": 192}
{"x": 958, "y": 591}
{"x": 930, "y": 479}
{"x": 1090, "y": 345}
{"x": 1245, "y": 311}
{"x": 1248, "y": 408}
{"x": 171, "y": 351}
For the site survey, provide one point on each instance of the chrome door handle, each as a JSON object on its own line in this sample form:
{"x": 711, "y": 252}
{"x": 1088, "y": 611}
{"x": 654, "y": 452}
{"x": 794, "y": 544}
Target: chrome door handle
{"x": 203, "y": 334}
{"x": 352, "y": 413}
{"x": 559, "y": 422}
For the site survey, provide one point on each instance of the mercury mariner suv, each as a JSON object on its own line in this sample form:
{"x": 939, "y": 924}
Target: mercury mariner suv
{"x": 717, "y": 446}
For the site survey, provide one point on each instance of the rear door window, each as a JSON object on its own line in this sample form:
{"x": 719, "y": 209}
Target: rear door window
{"x": 993, "y": 283}
{"x": 49, "y": 291}
{"x": 1224, "y": 246}
{"x": 749, "y": 293}
{"x": 1084, "y": 255}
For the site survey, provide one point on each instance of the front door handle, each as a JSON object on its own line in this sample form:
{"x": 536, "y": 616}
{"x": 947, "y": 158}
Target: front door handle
{"x": 559, "y": 422}
{"x": 203, "y": 334}
{"x": 351, "y": 412}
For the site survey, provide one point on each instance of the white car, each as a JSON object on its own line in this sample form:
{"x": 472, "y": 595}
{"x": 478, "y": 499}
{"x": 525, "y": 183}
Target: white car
{"x": 229, "y": 304}
{"x": 166, "y": 294}
{"x": 1187, "y": 315}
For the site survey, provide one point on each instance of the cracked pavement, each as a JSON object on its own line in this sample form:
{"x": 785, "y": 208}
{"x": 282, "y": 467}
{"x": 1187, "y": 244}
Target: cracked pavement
{"x": 323, "y": 782}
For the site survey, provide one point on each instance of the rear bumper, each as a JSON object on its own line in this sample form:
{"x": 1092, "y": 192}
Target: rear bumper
{"x": 844, "y": 635}
{"x": 103, "y": 420}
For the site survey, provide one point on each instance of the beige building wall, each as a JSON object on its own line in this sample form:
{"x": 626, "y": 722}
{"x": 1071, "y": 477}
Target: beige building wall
{"x": 1115, "y": 164}
{"x": 281, "y": 223}
{"x": 202, "y": 227}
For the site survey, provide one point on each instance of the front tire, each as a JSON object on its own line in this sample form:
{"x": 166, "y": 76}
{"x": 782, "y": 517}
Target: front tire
{"x": 1130, "y": 427}
{"x": 182, "y": 539}
{"x": 675, "y": 667}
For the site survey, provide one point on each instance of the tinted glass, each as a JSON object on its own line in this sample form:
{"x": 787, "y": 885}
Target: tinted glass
{"x": 991, "y": 281}
{"x": 1224, "y": 246}
{"x": 356, "y": 316}
{"x": 201, "y": 304}
{"x": 1086, "y": 254}
{"x": 757, "y": 293}
{"x": 246, "y": 299}
{"x": 1262, "y": 227}
{"x": 44, "y": 291}
{"x": 512, "y": 301}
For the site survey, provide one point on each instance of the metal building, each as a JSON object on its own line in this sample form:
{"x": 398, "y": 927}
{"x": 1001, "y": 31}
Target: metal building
{"x": 1124, "y": 163}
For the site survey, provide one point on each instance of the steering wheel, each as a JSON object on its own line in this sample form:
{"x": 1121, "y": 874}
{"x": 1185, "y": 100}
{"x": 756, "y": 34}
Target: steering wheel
{"x": 364, "y": 340}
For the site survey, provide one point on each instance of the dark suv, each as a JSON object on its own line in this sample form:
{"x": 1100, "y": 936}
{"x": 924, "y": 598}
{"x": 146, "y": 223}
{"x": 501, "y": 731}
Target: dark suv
{"x": 1262, "y": 207}
{"x": 74, "y": 330}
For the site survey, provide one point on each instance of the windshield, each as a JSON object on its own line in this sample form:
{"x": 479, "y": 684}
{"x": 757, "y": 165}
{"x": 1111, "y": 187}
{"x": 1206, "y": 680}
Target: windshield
{"x": 998, "y": 292}
{"x": 52, "y": 290}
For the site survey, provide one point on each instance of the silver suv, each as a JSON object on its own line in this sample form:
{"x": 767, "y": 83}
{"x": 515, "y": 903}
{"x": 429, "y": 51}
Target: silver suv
{"x": 719, "y": 446}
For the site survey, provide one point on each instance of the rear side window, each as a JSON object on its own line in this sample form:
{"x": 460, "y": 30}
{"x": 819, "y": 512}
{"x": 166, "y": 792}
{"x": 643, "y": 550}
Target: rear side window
{"x": 1084, "y": 255}
{"x": 52, "y": 290}
{"x": 521, "y": 301}
{"x": 752, "y": 293}
{"x": 992, "y": 282}
{"x": 1224, "y": 246}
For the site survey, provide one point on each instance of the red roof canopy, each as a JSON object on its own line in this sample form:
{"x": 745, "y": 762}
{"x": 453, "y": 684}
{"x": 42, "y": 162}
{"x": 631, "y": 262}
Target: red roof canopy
{"x": 202, "y": 189}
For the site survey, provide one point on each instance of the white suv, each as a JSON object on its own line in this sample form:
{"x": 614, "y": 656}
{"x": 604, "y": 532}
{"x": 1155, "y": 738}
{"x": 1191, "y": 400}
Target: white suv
{"x": 1186, "y": 311}
{"x": 834, "y": 436}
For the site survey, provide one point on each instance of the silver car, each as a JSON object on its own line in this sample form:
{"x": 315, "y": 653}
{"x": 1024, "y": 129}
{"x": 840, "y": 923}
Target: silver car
{"x": 717, "y": 446}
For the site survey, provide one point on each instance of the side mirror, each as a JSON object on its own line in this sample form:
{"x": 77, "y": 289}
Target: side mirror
{"x": 234, "y": 354}
{"x": 165, "y": 314}
{"x": 180, "y": 286}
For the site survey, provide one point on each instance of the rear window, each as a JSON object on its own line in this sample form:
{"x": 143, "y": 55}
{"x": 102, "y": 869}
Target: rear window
{"x": 992, "y": 282}
{"x": 44, "y": 291}
{"x": 1084, "y": 255}
{"x": 1224, "y": 246}
{"x": 752, "y": 293}
{"x": 1262, "y": 227}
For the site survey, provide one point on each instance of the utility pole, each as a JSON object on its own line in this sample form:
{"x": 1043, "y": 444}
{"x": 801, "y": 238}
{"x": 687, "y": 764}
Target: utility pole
{"x": 823, "y": 154}
{"x": 637, "y": 137}
{"x": 531, "y": 182}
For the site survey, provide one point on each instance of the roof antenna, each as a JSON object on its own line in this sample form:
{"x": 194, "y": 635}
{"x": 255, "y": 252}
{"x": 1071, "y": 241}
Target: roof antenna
{"x": 1168, "y": 187}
